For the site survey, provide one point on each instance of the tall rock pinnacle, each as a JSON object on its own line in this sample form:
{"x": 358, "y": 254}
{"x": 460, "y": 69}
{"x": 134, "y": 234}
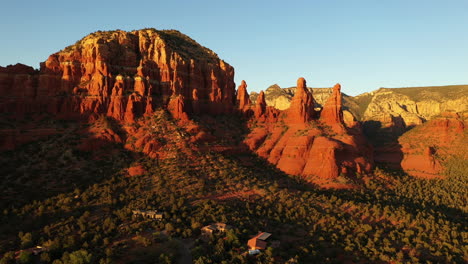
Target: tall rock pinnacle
{"x": 302, "y": 104}
{"x": 260, "y": 107}
{"x": 332, "y": 112}
{"x": 243, "y": 99}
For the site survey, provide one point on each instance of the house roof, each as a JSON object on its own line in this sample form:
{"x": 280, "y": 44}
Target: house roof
{"x": 263, "y": 236}
{"x": 256, "y": 243}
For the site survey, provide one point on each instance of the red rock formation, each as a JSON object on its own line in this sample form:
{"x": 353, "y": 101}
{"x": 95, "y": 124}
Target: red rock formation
{"x": 195, "y": 102}
{"x": 332, "y": 110}
{"x": 425, "y": 146}
{"x": 177, "y": 108}
{"x": 301, "y": 145}
{"x": 243, "y": 99}
{"x": 84, "y": 79}
{"x": 260, "y": 107}
{"x": 302, "y": 105}
{"x": 136, "y": 170}
{"x": 133, "y": 108}
{"x": 323, "y": 161}
{"x": 125, "y": 75}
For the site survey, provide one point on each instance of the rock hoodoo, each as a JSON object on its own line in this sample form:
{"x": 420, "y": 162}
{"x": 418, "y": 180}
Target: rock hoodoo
{"x": 299, "y": 144}
{"x": 243, "y": 99}
{"x": 260, "y": 107}
{"x": 302, "y": 104}
{"x": 332, "y": 112}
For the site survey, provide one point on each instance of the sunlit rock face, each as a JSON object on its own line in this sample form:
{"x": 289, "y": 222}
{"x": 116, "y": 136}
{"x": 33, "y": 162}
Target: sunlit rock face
{"x": 123, "y": 75}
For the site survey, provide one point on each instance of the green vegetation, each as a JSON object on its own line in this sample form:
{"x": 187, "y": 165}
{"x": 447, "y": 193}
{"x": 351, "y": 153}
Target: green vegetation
{"x": 87, "y": 216}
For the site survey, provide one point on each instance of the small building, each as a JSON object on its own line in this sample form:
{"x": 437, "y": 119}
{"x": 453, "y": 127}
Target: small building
{"x": 215, "y": 228}
{"x": 259, "y": 241}
{"x": 34, "y": 251}
{"x": 254, "y": 252}
{"x": 152, "y": 214}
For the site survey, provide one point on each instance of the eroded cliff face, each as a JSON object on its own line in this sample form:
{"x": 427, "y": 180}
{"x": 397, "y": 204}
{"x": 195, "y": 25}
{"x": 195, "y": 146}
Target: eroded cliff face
{"x": 123, "y": 75}
{"x": 406, "y": 107}
{"x": 426, "y": 148}
{"x": 303, "y": 143}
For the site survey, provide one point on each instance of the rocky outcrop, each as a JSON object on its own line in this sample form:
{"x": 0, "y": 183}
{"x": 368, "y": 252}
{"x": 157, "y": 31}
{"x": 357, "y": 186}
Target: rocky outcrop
{"x": 177, "y": 107}
{"x": 332, "y": 112}
{"x": 124, "y": 75}
{"x": 299, "y": 144}
{"x": 243, "y": 99}
{"x": 425, "y": 147}
{"x": 260, "y": 106}
{"x": 412, "y": 105}
{"x": 302, "y": 105}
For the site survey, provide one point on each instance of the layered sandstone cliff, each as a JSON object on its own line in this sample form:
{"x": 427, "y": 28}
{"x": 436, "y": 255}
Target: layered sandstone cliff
{"x": 123, "y": 75}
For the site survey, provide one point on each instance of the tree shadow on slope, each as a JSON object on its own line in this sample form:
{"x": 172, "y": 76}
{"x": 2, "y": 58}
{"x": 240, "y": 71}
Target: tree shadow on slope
{"x": 58, "y": 163}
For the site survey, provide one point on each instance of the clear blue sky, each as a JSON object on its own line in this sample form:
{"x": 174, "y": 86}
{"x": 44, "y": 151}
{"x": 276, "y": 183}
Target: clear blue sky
{"x": 363, "y": 45}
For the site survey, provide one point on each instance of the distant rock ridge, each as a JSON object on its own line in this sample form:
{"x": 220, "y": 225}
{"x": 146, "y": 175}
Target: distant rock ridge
{"x": 392, "y": 107}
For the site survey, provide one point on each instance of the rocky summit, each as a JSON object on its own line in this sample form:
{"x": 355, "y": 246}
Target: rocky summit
{"x": 123, "y": 75}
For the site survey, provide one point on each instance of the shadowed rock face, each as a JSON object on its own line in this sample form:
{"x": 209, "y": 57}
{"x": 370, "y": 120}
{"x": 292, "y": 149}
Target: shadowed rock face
{"x": 124, "y": 75}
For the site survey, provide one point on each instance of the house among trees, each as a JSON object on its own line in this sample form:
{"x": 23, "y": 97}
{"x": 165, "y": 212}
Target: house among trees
{"x": 215, "y": 228}
{"x": 152, "y": 214}
{"x": 34, "y": 251}
{"x": 259, "y": 242}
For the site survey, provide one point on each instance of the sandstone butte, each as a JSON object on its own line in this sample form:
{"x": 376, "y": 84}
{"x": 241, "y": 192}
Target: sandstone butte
{"x": 128, "y": 75}
{"x": 124, "y": 75}
{"x": 444, "y": 136}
